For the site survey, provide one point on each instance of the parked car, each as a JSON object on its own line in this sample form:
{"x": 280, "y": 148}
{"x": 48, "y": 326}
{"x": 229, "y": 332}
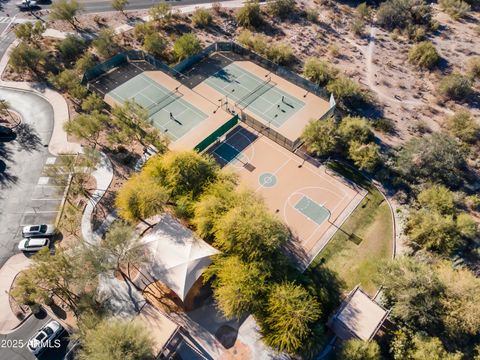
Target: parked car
{"x": 33, "y": 244}
{"x": 42, "y": 230}
{"x": 45, "y": 337}
{"x": 27, "y": 4}
{"x": 148, "y": 152}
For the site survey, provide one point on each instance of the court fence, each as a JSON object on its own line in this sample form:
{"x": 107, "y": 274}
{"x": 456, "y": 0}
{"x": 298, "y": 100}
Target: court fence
{"x": 214, "y": 136}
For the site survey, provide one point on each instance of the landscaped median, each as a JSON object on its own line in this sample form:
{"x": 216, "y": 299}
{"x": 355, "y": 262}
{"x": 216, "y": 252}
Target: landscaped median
{"x": 364, "y": 240}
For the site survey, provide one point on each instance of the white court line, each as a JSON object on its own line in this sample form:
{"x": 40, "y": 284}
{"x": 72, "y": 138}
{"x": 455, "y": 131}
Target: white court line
{"x": 46, "y": 199}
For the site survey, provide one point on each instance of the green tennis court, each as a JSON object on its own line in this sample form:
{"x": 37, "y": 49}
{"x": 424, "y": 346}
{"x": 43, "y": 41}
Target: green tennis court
{"x": 167, "y": 110}
{"x": 261, "y": 96}
{"x": 314, "y": 211}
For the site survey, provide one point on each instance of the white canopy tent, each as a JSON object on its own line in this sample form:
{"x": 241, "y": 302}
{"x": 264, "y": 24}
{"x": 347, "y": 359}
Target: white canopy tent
{"x": 177, "y": 257}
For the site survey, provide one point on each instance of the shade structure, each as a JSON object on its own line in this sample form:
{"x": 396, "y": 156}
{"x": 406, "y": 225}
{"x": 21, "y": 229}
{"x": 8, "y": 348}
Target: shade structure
{"x": 176, "y": 257}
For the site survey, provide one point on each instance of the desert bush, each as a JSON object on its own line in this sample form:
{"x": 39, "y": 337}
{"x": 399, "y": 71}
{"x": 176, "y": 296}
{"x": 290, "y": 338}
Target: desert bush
{"x": 281, "y": 8}
{"x": 154, "y": 44}
{"x": 143, "y": 29}
{"x": 363, "y": 11}
{"x": 463, "y": 126}
{"x": 201, "y": 18}
{"x": 423, "y": 55}
{"x": 399, "y": 14}
{"x": 473, "y": 202}
{"x": 105, "y": 44}
{"x": 319, "y": 71}
{"x": 455, "y": 87}
{"x": 358, "y": 27}
{"x": 312, "y": 15}
{"x": 473, "y": 68}
{"x": 346, "y": 91}
{"x": 457, "y": 9}
{"x": 71, "y": 47}
{"x": 250, "y": 15}
{"x": 186, "y": 45}
{"x": 279, "y": 53}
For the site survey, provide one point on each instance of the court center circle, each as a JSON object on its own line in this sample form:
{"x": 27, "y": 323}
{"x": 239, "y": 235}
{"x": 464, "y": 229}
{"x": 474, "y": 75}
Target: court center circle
{"x": 268, "y": 179}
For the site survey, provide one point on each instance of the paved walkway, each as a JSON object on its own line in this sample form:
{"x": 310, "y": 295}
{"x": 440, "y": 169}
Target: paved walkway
{"x": 103, "y": 176}
{"x": 9, "y": 270}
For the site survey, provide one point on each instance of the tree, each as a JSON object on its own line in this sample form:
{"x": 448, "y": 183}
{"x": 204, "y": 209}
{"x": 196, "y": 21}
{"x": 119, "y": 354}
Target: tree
{"x": 143, "y": 29}
{"x": 404, "y": 14}
{"x": 359, "y": 350}
{"x": 290, "y": 313}
{"x": 120, "y": 5}
{"x": 65, "y": 10}
{"x": 463, "y": 126}
{"x": 457, "y": 9}
{"x": 105, "y": 44}
{"x": 424, "y": 55}
{"x": 139, "y": 198}
{"x": 161, "y": 13}
{"x": 354, "y": 128}
{"x": 154, "y": 44}
{"x": 250, "y": 15}
{"x": 92, "y": 103}
{"x": 237, "y": 285}
{"x": 84, "y": 63}
{"x": 218, "y": 197}
{"x": 251, "y": 231}
{"x": 132, "y": 123}
{"x": 183, "y": 173}
{"x": 473, "y": 68}
{"x": 413, "y": 292}
{"x": 186, "y": 45}
{"x": 321, "y": 137}
{"x": 437, "y": 158}
{"x": 364, "y": 156}
{"x": 116, "y": 339}
{"x": 201, "y": 18}
{"x": 27, "y": 58}
{"x": 319, "y": 71}
{"x": 455, "y": 87}
{"x": 69, "y": 81}
{"x": 281, "y": 8}
{"x": 87, "y": 126}
{"x": 120, "y": 249}
{"x": 437, "y": 198}
{"x": 71, "y": 47}
{"x": 347, "y": 91}
{"x": 30, "y": 32}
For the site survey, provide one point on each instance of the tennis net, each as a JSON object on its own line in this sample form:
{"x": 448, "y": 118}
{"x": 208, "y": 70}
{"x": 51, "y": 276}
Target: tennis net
{"x": 255, "y": 94}
{"x": 163, "y": 102}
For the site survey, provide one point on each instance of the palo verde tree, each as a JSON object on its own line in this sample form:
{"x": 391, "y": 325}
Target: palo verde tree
{"x": 87, "y": 126}
{"x": 250, "y": 15}
{"x": 30, "y": 32}
{"x": 65, "y": 10}
{"x": 120, "y": 5}
{"x": 356, "y": 349}
{"x": 186, "y": 45}
{"x": 25, "y": 57}
{"x": 161, "y": 14}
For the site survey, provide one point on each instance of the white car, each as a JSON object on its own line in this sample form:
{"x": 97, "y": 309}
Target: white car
{"x": 26, "y": 4}
{"x": 40, "y": 230}
{"x": 45, "y": 337}
{"x": 33, "y": 244}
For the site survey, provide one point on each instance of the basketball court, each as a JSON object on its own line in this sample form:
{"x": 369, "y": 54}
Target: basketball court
{"x": 312, "y": 202}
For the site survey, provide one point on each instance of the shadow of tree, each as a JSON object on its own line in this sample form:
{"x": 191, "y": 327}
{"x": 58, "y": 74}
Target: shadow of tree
{"x": 28, "y": 138}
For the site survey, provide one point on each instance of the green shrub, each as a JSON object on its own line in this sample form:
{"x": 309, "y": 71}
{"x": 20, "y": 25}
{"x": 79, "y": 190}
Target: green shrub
{"x": 250, "y": 15}
{"x": 71, "y": 47}
{"x": 281, "y": 8}
{"x": 85, "y": 63}
{"x": 26, "y": 57}
{"x": 143, "y": 29}
{"x": 279, "y": 53}
{"x": 363, "y": 11}
{"x": 201, "y": 18}
{"x": 319, "y": 71}
{"x": 463, "y": 126}
{"x": 473, "y": 202}
{"x": 455, "y": 87}
{"x": 457, "y": 9}
{"x": 423, "y": 55}
{"x": 473, "y": 68}
{"x": 358, "y": 27}
{"x": 186, "y": 45}
{"x": 105, "y": 44}
{"x": 384, "y": 125}
{"x": 312, "y": 15}
{"x": 154, "y": 44}
{"x": 399, "y": 14}
{"x": 359, "y": 350}
{"x": 161, "y": 13}
{"x": 347, "y": 91}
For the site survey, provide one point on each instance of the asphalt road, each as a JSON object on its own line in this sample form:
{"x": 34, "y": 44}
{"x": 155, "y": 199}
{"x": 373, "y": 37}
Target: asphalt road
{"x": 26, "y": 196}
{"x": 13, "y": 346}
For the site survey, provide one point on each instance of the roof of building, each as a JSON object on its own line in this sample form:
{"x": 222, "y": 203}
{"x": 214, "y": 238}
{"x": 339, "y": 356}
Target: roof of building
{"x": 177, "y": 256}
{"x": 359, "y": 316}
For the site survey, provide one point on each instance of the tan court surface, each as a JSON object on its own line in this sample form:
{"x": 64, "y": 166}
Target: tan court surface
{"x": 285, "y": 119}
{"x": 299, "y": 192}
{"x": 198, "y": 117}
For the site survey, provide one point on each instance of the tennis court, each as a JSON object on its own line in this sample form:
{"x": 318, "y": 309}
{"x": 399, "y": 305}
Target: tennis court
{"x": 312, "y": 202}
{"x": 167, "y": 110}
{"x": 261, "y": 96}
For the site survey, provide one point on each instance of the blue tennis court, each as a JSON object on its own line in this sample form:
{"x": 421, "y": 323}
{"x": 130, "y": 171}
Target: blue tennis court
{"x": 312, "y": 210}
{"x": 167, "y": 110}
{"x": 261, "y": 96}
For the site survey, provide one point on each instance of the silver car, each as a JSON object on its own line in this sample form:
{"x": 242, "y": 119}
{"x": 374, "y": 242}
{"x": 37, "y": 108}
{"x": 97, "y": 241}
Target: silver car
{"x": 33, "y": 244}
{"x": 41, "y": 230}
{"x": 45, "y": 337}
